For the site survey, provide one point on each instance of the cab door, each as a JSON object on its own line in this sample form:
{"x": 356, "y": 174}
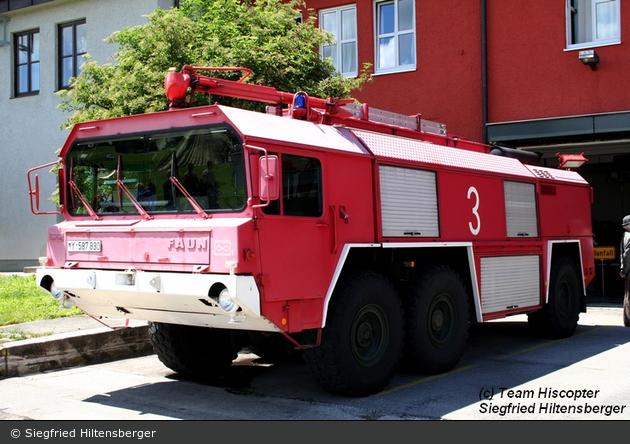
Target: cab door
{"x": 295, "y": 239}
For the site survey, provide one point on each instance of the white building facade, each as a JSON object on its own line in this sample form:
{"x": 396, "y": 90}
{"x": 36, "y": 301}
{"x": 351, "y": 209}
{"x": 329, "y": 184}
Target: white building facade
{"x": 41, "y": 46}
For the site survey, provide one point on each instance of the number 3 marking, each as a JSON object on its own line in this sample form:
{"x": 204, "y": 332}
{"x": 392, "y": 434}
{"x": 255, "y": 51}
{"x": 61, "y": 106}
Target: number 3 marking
{"x": 474, "y": 231}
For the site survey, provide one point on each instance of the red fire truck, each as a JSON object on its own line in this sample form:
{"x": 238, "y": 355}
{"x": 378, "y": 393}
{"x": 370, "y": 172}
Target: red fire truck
{"x": 362, "y": 238}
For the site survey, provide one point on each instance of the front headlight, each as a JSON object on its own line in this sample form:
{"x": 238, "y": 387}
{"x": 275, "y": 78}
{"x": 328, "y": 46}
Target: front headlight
{"x": 57, "y": 294}
{"x": 225, "y": 301}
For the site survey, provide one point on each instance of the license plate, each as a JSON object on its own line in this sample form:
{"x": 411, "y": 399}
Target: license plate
{"x": 91, "y": 245}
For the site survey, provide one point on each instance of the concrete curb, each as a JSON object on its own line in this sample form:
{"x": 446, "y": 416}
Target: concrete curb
{"x": 72, "y": 349}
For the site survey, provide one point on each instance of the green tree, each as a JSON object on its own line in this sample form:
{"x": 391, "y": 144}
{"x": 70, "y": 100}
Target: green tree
{"x": 262, "y": 35}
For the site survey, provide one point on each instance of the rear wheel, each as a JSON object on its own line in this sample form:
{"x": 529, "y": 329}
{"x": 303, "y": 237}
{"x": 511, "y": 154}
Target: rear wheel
{"x": 436, "y": 319}
{"x": 196, "y": 352}
{"x": 559, "y": 317}
{"x": 362, "y": 342}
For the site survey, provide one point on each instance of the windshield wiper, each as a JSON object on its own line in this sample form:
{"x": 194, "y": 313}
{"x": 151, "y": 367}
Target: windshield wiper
{"x": 85, "y": 203}
{"x": 191, "y": 199}
{"x": 121, "y": 186}
{"x": 75, "y": 190}
{"x": 181, "y": 188}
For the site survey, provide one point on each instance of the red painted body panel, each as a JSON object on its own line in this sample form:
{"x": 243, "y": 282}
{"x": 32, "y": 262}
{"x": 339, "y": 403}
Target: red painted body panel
{"x": 299, "y": 255}
{"x": 456, "y": 204}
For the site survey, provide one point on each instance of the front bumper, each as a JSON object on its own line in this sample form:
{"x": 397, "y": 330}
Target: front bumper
{"x": 168, "y": 297}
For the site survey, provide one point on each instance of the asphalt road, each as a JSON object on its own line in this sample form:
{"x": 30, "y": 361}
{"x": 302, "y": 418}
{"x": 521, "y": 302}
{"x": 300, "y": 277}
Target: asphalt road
{"x": 505, "y": 374}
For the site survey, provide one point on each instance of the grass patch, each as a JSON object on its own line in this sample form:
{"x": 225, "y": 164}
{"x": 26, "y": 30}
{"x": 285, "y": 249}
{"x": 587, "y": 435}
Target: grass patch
{"x": 21, "y": 300}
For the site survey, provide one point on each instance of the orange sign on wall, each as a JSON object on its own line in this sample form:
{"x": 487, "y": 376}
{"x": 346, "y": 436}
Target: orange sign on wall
{"x": 605, "y": 253}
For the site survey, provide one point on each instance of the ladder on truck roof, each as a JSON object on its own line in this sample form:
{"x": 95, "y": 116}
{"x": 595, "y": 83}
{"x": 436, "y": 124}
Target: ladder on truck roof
{"x": 416, "y": 123}
{"x": 329, "y": 111}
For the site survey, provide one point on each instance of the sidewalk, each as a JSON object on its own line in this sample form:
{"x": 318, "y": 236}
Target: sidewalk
{"x": 71, "y": 341}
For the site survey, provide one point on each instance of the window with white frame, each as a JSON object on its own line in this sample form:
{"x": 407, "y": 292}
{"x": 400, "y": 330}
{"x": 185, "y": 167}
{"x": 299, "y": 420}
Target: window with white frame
{"x": 395, "y": 36}
{"x": 26, "y": 63}
{"x": 342, "y": 24}
{"x": 593, "y": 23}
{"x": 72, "y": 48}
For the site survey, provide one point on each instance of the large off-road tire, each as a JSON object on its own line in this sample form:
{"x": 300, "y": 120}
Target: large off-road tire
{"x": 559, "y": 316}
{"x": 436, "y": 320}
{"x": 362, "y": 341}
{"x": 194, "y": 352}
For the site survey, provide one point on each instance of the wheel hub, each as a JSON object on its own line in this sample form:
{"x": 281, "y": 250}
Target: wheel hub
{"x": 365, "y": 334}
{"x": 369, "y": 335}
{"x": 437, "y": 320}
{"x": 441, "y": 320}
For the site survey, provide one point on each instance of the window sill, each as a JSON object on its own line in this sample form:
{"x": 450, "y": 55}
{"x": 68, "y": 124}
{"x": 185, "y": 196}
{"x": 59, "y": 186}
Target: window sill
{"x": 589, "y": 45}
{"x": 28, "y": 94}
{"x": 409, "y": 68}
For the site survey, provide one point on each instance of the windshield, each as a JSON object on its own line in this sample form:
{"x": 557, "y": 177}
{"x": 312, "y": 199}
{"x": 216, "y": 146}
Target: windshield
{"x": 207, "y": 162}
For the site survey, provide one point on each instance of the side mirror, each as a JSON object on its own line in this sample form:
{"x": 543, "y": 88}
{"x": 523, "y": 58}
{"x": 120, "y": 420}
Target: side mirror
{"x": 269, "y": 182}
{"x": 61, "y": 179}
{"x": 34, "y": 190}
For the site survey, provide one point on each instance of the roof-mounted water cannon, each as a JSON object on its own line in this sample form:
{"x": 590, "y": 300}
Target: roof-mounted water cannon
{"x": 176, "y": 86}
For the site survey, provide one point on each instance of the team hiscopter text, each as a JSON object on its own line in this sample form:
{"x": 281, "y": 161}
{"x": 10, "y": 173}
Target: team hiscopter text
{"x": 541, "y": 393}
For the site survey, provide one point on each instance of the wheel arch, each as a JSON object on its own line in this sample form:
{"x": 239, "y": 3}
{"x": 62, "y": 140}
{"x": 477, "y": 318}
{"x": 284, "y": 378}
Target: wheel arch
{"x": 573, "y": 250}
{"x": 393, "y": 260}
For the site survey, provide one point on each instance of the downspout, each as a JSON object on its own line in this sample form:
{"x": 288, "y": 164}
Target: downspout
{"x": 484, "y": 74}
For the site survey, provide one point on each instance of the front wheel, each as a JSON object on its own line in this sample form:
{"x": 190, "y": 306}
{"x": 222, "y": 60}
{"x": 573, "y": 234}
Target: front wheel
{"x": 362, "y": 341}
{"x": 195, "y": 352}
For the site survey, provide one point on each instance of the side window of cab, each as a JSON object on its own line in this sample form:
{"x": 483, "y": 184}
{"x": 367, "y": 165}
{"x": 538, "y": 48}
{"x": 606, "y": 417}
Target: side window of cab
{"x": 301, "y": 193}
